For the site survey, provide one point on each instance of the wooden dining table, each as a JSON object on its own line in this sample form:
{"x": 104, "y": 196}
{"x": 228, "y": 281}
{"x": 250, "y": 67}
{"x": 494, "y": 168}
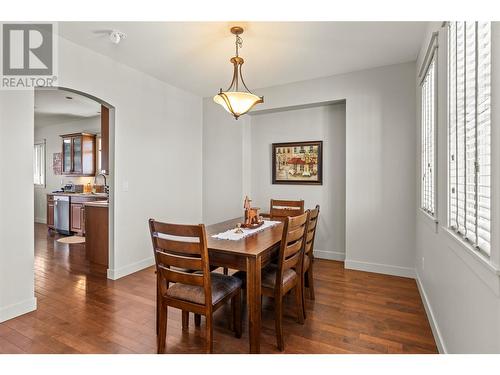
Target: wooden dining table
{"x": 249, "y": 254}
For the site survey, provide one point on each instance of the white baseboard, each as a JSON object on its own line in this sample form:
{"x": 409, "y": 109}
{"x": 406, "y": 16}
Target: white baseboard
{"x": 430, "y": 316}
{"x": 41, "y": 220}
{"x": 17, "y": 309}
{"x": 330, "y": 255}
{"x": 385, "y": 269}
{"x": 115, "y": 274}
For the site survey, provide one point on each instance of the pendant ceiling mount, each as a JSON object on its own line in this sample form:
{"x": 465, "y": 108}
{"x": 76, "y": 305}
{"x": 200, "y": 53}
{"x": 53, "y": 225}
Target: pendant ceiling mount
{"x": 237, "y": 99}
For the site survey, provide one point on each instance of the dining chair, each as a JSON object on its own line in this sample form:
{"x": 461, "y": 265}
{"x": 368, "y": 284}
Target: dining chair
{"x": 279, "y": 279}
{"x": 280, "y": 208}
{"x": 307, "y": 268}
{"x": 178, "y": 247}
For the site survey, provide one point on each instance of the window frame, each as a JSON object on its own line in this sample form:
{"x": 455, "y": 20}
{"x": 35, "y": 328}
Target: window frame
{"x": 431, "y": 57}
{"x": 43, "y": 162}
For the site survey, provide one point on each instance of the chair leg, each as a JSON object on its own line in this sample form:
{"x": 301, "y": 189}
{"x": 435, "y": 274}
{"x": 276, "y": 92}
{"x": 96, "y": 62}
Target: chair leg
{"x": 162, "y": 328}
{"x": 226, "y": 271}
{"x": 298, "y": 301}
{"x": 197, "y": 320}
{"x": 209, "y": 334}
{"x": 302, "y": 280}
{"x": 311, "y": 281}
{"x": 278, "y": 321}
{"x": 157, "y": 311}
{"x": 236, "y": 307}
{"x": 185, "y": 320}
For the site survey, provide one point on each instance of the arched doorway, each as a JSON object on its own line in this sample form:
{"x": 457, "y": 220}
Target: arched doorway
{"x": 81, "y": 168}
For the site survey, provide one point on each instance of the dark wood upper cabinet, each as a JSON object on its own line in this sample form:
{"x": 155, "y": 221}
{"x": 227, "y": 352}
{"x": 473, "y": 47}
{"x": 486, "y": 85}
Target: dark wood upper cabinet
{"x": 104, "y": 140}
{"x": 79, "y": 154}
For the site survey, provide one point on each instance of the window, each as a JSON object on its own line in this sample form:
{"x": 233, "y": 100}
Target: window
{"x": 469, "y": 192}
{"x": 428, "y": 139}
{"x": 39, "y": 163}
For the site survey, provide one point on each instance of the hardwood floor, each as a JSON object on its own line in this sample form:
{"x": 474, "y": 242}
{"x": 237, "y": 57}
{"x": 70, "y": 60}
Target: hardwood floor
{"x": 80, "y": 311}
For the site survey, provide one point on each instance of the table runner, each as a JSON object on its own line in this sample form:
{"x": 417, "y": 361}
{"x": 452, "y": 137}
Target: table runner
{"x": 232, "y": 236}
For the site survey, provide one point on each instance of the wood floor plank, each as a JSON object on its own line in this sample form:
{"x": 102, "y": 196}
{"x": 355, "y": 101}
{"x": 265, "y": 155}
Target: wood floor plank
{"x": 82, "y": 312}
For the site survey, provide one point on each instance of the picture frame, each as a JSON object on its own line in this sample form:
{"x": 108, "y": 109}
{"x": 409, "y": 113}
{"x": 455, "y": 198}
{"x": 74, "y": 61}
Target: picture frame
{"x": 297, "y": 163}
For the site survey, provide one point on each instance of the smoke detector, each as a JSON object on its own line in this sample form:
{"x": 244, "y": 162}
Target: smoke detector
{"x": 116, "y": 36}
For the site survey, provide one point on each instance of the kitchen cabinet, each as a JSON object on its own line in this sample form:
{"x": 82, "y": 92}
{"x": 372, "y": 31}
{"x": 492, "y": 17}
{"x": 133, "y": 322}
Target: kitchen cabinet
{"x": 76, "y": 210}
{"x": 50, "y": 211}
{"x": 97, "y": 235}
{"x": 77, "y": 218}
{"x": 79, "y": 154}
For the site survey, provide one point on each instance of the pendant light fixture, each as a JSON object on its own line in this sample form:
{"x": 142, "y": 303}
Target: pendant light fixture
{"x": 237, "y": 99}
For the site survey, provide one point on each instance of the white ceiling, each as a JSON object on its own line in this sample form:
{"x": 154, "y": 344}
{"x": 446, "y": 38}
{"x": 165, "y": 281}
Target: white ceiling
{"x": 195, "y": 55}
{"x": 53, "y": 107}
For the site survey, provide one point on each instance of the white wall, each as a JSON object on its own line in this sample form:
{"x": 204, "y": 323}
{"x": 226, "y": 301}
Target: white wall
{"x": 461, "y": 290}
{"x": 158, "y": 130}
{"x": 158, "y": 142}
{"x": 53, "y": 144}
{"x": 326, "y": 123}
{"x": 380, "y": 160}
{"x": 16, "y": 204}
{"x": 222, "y": 164}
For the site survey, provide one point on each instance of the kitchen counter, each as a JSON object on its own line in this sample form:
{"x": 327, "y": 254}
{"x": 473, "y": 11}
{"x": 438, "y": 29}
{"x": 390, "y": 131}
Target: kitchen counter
{"x": 97, "y": 195}
{"x": 102, "y": 204}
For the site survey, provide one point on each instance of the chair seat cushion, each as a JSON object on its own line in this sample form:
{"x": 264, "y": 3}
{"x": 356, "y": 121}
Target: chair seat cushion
{"x": 222, "y": 286}
{"x": 269, "y": 276}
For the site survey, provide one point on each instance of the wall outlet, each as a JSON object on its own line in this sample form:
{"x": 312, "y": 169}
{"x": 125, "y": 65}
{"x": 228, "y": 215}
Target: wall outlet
{"x": 125, "y": 186}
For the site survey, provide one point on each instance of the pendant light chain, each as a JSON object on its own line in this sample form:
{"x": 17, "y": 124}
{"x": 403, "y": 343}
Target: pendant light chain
{"x": 239, "y": 44}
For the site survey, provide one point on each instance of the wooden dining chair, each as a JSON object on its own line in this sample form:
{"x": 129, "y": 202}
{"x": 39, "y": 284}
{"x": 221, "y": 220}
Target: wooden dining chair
{"x": 279, "y": 279}
{"x": 307, "y": 268}
{"x": 178, "y": 247}
{"x": 280, "y": 208}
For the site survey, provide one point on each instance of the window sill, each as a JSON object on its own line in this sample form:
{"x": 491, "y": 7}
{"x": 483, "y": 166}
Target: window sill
{"x": 479, "y": 263}
{"x": 429, "y": 219}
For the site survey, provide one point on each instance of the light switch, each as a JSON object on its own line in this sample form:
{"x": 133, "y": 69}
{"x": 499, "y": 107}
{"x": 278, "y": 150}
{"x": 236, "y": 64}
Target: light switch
{"x": 125, "y": 186}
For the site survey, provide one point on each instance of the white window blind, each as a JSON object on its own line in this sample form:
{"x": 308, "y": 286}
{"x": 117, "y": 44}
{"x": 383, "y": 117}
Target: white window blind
{"x": 469, "y": 49}
{"x": 427, "y": 121}
{"x": 39, "y": 163}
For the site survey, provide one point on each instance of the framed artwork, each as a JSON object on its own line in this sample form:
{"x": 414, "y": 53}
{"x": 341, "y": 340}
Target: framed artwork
{"x": 298, "y": 163}
{"x": 57, "y": 163}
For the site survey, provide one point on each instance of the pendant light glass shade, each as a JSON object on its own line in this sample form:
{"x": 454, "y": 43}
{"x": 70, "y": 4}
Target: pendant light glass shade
{"x": 234, "y": 100}
{"x": 237, "y": 103}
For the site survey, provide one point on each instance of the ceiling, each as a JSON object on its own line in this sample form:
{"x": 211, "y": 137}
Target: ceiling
{"x": 195, "y": 55}
{"x": 53, "y": 107}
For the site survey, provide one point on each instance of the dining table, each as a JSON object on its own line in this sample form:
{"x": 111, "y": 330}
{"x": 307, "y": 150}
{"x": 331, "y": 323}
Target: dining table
{"x": 249, "y": 254}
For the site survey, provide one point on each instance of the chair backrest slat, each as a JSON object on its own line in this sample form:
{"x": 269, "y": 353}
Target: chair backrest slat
{"x": 292, "y": 261}
{"x": 293, "y": 248}
{"x": 180, "y": 261}
{"x": 177, "y": 276}
{"x": 180, "y": 250}
{"x": 295, "y": 234}
{"x": 180, "y": 247}
{"x": 285, "y": 208}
